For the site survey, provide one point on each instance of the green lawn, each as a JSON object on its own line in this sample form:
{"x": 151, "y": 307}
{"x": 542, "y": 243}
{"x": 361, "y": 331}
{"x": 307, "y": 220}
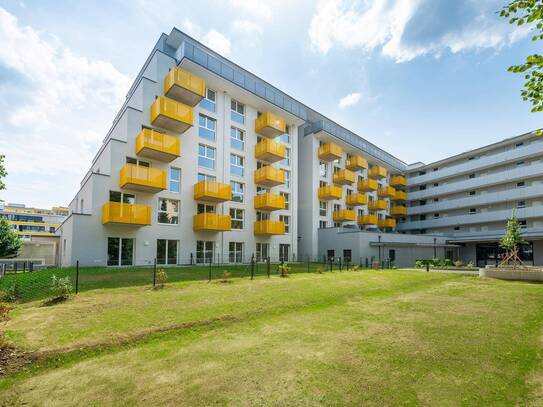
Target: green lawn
{"x": 350, "y": 338}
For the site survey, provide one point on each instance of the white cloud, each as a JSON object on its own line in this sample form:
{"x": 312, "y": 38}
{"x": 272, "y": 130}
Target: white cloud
{"x": 247, "y": 27}
{"x": 256, "y": 8}
{"x": 405, "y": 29}
{"x": 349, "y": 100}
{"x": 57, "y": 108}
{"x": 217, "y": 42}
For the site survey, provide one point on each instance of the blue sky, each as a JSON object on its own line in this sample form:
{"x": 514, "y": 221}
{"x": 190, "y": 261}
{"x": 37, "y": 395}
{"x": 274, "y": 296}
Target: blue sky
{"x": 422, "y": 79}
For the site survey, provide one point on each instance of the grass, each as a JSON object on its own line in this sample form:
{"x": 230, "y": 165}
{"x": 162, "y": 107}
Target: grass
{"x": 352, "y": 338}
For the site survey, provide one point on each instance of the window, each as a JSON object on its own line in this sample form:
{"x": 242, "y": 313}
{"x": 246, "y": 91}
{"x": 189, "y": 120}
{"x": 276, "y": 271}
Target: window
{"x": 262, "y": 216}
{"x": 207, "y": 127}
{"x": 287, "y": 197}
{"x": 322, "y": 208}
{"x": 436, "y": 199}
{"x": 323, "y": 169}
{"x": 337, "y": 224}
{"x": 523, "y": 224}
{"x": 287, "y": 178}
{"x": 422, "y": 202}
{"x": 436, "y": 184}
{"x": 204, "y": 251}
{"x": 472, "y": 193}
{"x": 337, "y": 207}
{"x": 520, "y": 164}
{"x": 472, "y": 211}
{"x": 206, "y": 177}
{"x": 168, "y": 211}
{"x": 262, "y": 190}
{"x": 284, "y": 250}
{"x": 205, "y": 208}
{"x": 237, "y": 218}
{"x": 206, "y": 156}
{"x": 286, "y": 161}
{"x": 519, "y": 144}
{"x": 471, "y": 158}
{"x": 120, "y": 252}
{"x": 115, "y": 196}
{"x": 436, "y": 215}
{"x": 422, "y": 187}
{"x": 237, "y": 191}
{"x": 166, "y": 251}
{"x": 175, "y": 179}
{"x": 471, "y": 176}
{"x": 262, "y": 251}
{"x": 322, "y": 224}
{"x": 284, "y": 138}
{"x": 422, "y": 217}
{"x": 237, "y": 138}
{"x": 286, "y": 221}
{"x": 237, "y": 112}
{"x": 236, "y": 165}
{"x": 436, "y": 168}
{"x": 135, "y": 161}
{"x": 521, "y": 184}
{"x": 521, "y": 204}
{"x": 235, "y": 252}
{"x": 209, "y": 101}
{"x": 457, "y": 228}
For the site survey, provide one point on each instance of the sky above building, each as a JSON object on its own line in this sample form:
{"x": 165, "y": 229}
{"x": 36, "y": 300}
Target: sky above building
{"x": 422, "y": 79}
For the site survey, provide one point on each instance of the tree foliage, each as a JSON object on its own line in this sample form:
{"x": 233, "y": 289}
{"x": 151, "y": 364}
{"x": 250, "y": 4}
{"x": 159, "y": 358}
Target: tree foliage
{"x": 3, "y": 172}
{"x": 10, "y": 241}
{"x": 513, "y": 234}
{"x": 529, "y": 12}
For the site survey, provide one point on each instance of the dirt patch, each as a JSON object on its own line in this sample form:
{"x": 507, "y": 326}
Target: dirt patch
{"x": 12, "y": 359}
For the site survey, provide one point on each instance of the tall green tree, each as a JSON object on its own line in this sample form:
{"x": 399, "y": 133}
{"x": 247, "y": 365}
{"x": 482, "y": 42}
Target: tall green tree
{"x": 3, "y": 172}
{"x": 529, "y": 12}
{"x": 10, "y": 241}
{"x": 513, "y": 234}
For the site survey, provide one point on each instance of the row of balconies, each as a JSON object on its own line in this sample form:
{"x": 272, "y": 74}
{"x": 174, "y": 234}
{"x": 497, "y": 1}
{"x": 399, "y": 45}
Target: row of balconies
{"x": 330, "y": 192}
{"x": 348, "y": 215}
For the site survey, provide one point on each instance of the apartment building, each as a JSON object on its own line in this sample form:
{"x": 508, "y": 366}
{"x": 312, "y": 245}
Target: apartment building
{"x": 37, "y": 228}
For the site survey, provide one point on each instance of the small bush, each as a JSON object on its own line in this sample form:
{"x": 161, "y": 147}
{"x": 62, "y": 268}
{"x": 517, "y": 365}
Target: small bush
{"x": 355, "y": 268}
{"x": 12, "y": 294}
{"x": 435, "y": 262}
{"x": 458, "y": 263}
{"x": 161, "y": 278}
{"x": 226, "y": 277}
{"x": 447, "y": 263}
{"x": 61, "y": 288}
{"x": 420, "y": 263}
{"x": 284, "y": 269}
{"x": 470, "y": 265}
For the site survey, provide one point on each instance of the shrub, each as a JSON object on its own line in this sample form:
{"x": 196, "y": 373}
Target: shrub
{"x": 12, "y": 294}
{"x": 284, "y": 269}
{"x": 161, "y": 278}
{"x": 435, "y": 262}
{"x": 458, "y": 263}
{"x": 226, "y": 277}
{"x": 355, "y": 268}
{"x": 447, "y": 263}
{"x": 61, "y": 288}
{"x": 420, "y": 263}
{"x": 470, "y": 265}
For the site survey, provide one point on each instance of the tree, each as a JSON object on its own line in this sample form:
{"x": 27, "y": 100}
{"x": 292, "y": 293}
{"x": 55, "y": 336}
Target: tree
{"x": 3, "y": 172}
{"x": 511, "y": 240}
{"x": 10, "y": 241}
{"x": 522, "y": 12}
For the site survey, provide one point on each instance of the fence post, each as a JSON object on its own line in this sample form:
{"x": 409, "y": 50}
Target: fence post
{"x": 252, "y": 268}
{"x": 427, "y": 266}
{"x": 268, "y": 266}
{"x": 324, "y": 260}
{"x": 308, "y": 263}
{"x": 331, "y": 264}
{"x": 191, "y": 259}
{"x": 210, "y": 263}
{"x": 340, "y": 264}
{"x": 154, "y": 272}
{"x": 77, "y": 277}
{"x": 31, "y": 267}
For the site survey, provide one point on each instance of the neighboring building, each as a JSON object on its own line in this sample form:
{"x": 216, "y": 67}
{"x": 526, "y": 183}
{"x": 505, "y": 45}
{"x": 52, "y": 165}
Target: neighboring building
{"x": 37, "y": 228}
{"x": 207, "y": 162}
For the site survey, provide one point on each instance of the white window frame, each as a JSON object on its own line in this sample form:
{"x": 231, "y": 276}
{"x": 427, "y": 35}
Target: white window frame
{"x": 234, "y": 214}
{"x": 239, "y": 136}
{"x": 241, "y": 165}
{"x": 159, "y": 211}
{"x": 205, "y": 156}
{"x": 174, "y": 181}
{"x": 233, "y": 185}
{"x": 205, "y": 126}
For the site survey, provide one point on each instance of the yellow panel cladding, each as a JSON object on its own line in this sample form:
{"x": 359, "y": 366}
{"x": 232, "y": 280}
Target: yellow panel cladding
{"x": 386, "y": 192}
{"x": 398, "y": 181}
{"x": 269, "y": 176}
{"x": 377, "y": 171}
{"x": 148, "y": 179}
{"x": 344, "y": 215}
{"x": 212, "y": 191}
{"x": 211, "y": 222}
{"x": 330, "y": 152}
{"x": 356, "y": 199}
{"x": 398, "y": 210}
{"x": 400, "y": 196}
{"x": 377, "y": 205}
{"x": 269, "y": 202}
{"x": 171, "y": 115}
{"x": 344, "y": 177}
{"x": 387, "y": 223}
{"x": 128, "y": 214}
{"x": 329, "y": 192}
{"x": 270, "y": 151}
{"x": 367, "y": 185}
{"x": 269, "y": 227}
{"x": 367, "y": 220}
{"x": 356, "y": 163}
{"x": 270, "y": 125}
{"x": 156, "y": 145}
{"x": 184, "y": 86}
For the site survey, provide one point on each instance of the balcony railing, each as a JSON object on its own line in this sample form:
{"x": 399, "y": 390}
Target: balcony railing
{"x": 269, "y": 227}
{"x": 141, "y": 178}
{"x": 269, "y": 202}
{"x": 398, "y": 181}
{"x": 387, "y": 223}
{"x": 269, "y": 176}
{"x": 377, "y": 205}
{"x": 127, "y": 214}
{"x": 171, "y": 115}
{"x": 270, "y": 125}
{"x": 367, "y": 185}
{"x": 377, "y": 171}
{"x": 398, "y": 210}
{"x": 356, "y": 163}
{"x": 356, "y": 199}
{"x": 367, "y": 220}
{"x": 344, "y": 177}
{"x": 211, "y": 191}
{"x": 270, "y": 151}
{"x": 211, "y": 222}
{"x": 329, "y": 192}
{"x": 184, "y": 86}
{"x": 156, "y": 145}
{"x": 344, "y": 215}
{"x": 386, "y": 192}
{"x": 330, "y": 152}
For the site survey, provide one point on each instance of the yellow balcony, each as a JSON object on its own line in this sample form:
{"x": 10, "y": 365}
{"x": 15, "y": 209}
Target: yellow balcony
{"x": 367, "y": 220}
{"x": 387, "y": 223}
{"x": 344, "y": 215}
{"x": 330, "y": 152}
{"x": 356, "y": 163}
{"x": 377, "y": 205}
{"x": 127, "y": 214}
{"x": 377, "y": 172}
{"x": 367, "y": 185}
{"x": 398, "y": 210}
{"x": 184, "y": 86}
{"x": 147, "y": 179}
{"x": 156, "y": 145}
{"x": 269, "y": 176}
{"x": 344, "y": 177}
{"x": 356, "y": 199}
{"x": 386, "y": 192}
{"x": 269, "y": 202}
{"x": 270, "y": 125}
{"x": 269, "y": 227}
{"x": 398, "y": 181}
{"x": 211, "y": 222}
{"x": 330, "y": 192}
{"x": 171, "y": 115}
{"x": 400, "y": 196}
{"x": 270, "y": 151}
{"x": 211, "y": 191}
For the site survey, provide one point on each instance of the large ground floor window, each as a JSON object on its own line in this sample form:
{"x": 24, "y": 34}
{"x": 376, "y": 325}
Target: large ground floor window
{"x": 120, "y": 251}
{"x": 204, "y": 251}
{"x": 492, "y": 253}
{"x": 166, "y": 251}
{"x": 262, "y": 251}
{"x": 284, "y": 252}
{"x": 235, "y": 252}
